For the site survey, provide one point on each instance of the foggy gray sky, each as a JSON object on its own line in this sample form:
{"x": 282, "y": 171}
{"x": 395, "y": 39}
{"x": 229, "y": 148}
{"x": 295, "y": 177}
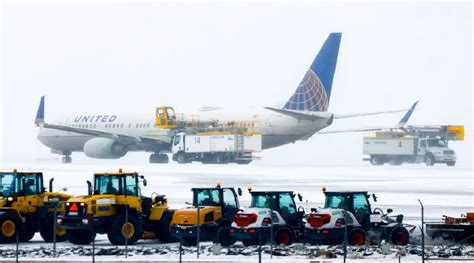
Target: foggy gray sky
{"x": 124, "y": 58}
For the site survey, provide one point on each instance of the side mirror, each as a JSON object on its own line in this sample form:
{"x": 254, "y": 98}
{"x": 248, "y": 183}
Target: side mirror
{"x": 374, "y": 197}
{"x": 390, "y": 210}
{"x": 300, "y": 197}
{"x": 89, "y": 188}
{"x": 51, "y": 184}
{"x": 144, "y": 182}
{"x": 314, "y": 210}
{"x": 239, "y": 191}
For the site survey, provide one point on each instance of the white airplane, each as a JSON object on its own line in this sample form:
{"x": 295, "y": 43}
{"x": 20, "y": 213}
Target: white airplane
{"x": 112, "y": 136}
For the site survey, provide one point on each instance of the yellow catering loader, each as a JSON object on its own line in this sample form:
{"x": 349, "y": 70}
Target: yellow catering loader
{"x": 217, "y": 208}
{"x": 26, "y": 207}
{"x": 116, "y": 207}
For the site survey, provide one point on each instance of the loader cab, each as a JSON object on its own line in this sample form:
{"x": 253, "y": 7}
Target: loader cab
{"x": 21, "y": 184}
{"x": 282, "y": 202}
{"x": 355, "y": 202}
{"x": 117, "y": 184}
{"x": 165, "y": 118}
{"x": 226, "y": 198}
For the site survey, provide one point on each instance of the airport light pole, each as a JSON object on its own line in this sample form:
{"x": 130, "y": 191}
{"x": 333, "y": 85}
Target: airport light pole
{"x": 422, "y": 231}
{"x": 198, "y": 229}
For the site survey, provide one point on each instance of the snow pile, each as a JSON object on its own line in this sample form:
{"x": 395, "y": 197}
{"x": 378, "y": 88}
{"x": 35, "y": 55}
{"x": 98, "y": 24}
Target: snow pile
{"x": 297, "y": 251}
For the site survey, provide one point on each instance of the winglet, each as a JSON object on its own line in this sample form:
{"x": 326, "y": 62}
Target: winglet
{"x": 40, "y": 113}
{"x": 407, "y": 115}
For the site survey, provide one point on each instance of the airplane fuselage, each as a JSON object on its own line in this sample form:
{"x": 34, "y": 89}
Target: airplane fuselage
{"x": 276, "y": 129}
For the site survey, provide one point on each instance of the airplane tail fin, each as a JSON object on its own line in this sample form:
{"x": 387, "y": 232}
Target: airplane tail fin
{"x": 407, "y": 115}
{"x": 40, "y": 113}
{"x": 314, "y": 90}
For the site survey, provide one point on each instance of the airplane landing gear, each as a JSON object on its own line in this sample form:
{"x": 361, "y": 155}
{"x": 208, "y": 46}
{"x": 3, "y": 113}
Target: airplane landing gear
{"x": 159, "y": 158}
{"x": 66, "y": 159}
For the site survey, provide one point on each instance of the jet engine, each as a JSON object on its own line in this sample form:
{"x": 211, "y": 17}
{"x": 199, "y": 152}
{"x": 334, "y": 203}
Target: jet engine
{"x": 103, "y": 148}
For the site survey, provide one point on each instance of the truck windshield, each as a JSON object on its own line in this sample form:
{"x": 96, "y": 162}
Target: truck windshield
{"x": 177, "y": 139}
{"x": 337, "y": 201}
{"x": 207, "y": 197}
{"x": 264, "y": 201}
{"x": 7, "y": 183}
{"x": 436, "y": 143}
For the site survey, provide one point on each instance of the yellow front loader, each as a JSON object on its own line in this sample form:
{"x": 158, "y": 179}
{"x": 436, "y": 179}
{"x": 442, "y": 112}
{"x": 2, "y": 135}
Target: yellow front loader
{"x": 26, "y": 208}
{"x": 116, "y": 207}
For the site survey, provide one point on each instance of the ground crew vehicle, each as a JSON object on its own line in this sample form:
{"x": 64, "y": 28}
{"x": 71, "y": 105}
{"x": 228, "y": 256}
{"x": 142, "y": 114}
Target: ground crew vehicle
{"x": 116, "y": 207}
{"x": 216, "y": 147}
{"x": 413, "y": 144}
{"x": 217, "y": 207}
{"x": 26, "y": 207}
{"x": 267, "y": 207}
{"x": 352, "y": 210}
{"x": 460, "y": 229}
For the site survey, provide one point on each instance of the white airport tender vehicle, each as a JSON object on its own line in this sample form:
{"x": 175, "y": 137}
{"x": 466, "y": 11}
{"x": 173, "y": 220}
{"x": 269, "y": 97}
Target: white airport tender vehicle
{"x": 216, "y": 147}
{"x": 413, "y": 144}
{"x": 269, "y": 211}
{"x": 353, "y": 210}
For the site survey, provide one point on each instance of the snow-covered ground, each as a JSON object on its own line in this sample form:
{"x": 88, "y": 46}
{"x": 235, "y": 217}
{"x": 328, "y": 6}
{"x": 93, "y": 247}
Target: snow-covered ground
{"x": 443, "y": 190}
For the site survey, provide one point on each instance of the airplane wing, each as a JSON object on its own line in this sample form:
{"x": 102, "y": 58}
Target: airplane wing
{"x": 302, "y": 115}
{"x": 122, "y": 138}
{"x": 315, "y": 115}
{"x": 403, "y": 121}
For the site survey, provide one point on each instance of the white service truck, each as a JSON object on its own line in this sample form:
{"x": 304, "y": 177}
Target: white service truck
{"x": 216, "y": 147}
{"x": 414, "y": 144}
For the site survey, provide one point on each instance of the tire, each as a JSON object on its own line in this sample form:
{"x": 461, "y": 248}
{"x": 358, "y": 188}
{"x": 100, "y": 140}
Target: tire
{"x": 46, "y": 231}
{"x": 399, "y": 236}
{"x": 66, "y": 159}
{"x": 451, "y": 163}
{"x": 224, "y": 237}
{"x": 356, "y": 237}
{"x": 164, "y": 158}
{"x": 283, "y": 236}
{"x": 429, "y": 160}
{"x": 80, "y": 237}
{"x": 376, "y": 160}
{"x": 189, "y": 242}
{"x": 8, "y": 228}
{"x": 117, "y": 234}
{"x": 181, "y": 158}
{"x": 158, "y": 158}
{"x": 162, "y": 231}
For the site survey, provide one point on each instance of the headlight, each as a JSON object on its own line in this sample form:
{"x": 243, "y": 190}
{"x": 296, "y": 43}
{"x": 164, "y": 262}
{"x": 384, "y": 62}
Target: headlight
{"x": 59, "y": 221}
{"x": 85, "y": 221}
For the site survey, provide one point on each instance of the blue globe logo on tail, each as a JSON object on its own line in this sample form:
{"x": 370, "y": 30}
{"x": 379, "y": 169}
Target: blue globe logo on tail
{"x": 314, "y": 90}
